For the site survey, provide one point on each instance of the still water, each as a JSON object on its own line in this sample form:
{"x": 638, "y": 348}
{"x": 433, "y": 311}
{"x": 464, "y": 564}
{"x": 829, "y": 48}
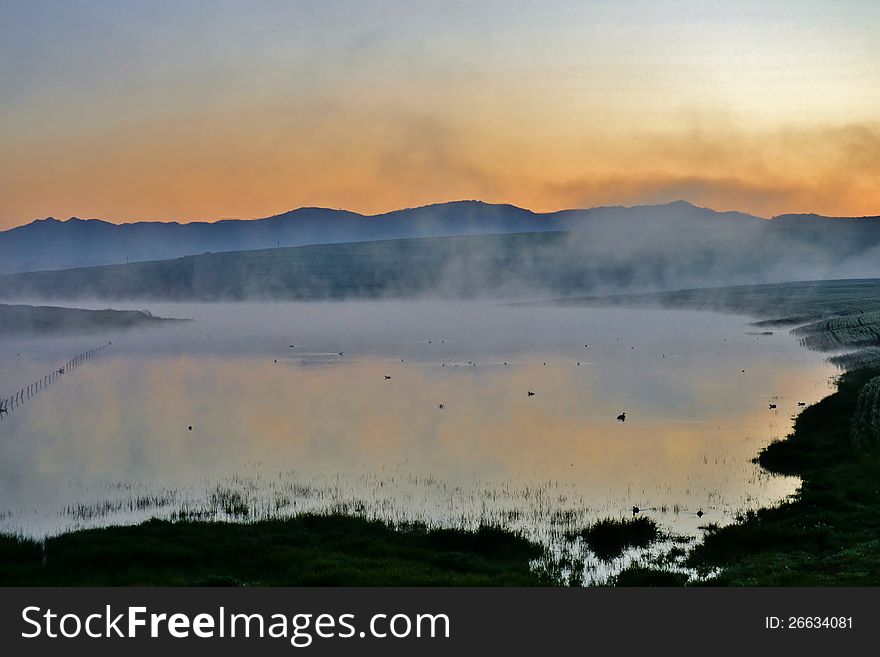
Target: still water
{"x": 291, "y": 410}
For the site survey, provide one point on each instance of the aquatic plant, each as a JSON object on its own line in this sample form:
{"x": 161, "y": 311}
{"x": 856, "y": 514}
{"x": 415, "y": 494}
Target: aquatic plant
{"x": 229, "y": 501}
{"x": 609, "y": 538}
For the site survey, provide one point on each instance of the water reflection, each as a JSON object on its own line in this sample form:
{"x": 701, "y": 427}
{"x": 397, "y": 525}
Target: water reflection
{"x": 279, "y": 429}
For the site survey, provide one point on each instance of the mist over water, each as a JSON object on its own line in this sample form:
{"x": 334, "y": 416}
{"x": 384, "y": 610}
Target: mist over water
{"x": 283, "y": 423}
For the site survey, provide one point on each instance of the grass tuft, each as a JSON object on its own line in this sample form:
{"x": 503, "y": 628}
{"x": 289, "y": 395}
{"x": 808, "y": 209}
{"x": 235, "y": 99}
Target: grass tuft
{"x": 610, "y": 538}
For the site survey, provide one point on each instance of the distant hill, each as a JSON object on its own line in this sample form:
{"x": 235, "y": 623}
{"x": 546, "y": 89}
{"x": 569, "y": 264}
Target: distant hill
{"x": 574, "y": 252}
{"x": 608, "y": 257}
{"x": 51, "y": 244}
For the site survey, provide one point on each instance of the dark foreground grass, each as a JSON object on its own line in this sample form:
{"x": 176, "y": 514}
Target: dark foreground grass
{"x": 830, "y": 534}
{"x": 647, "y": 576}
{"x": 310, "y": 550}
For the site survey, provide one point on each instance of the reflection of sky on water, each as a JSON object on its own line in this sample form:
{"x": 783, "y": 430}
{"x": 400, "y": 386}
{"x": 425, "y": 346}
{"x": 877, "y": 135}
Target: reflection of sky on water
{"x": 317, "y": 429}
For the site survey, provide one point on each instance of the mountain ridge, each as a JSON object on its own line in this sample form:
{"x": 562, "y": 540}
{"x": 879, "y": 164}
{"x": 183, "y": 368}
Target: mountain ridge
{"x": 52, "y": 244}
{"x": 458, "y": 203}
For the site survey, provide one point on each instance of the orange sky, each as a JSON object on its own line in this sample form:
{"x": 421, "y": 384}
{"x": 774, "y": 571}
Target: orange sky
{"x": 171, "y": 111}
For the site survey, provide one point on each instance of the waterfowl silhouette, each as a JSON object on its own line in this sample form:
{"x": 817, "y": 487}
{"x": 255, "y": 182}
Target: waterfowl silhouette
{"x": 531, "y": 394}
{"x": 771, "y": 406}
{"x": 700, "y": 513}
{"x": 190, "y": 427}
{"x": 441, "y": 406}
{"x": 802, "y": 403}
{"x": 622, "y": 417}
{"x": 387, "y": 378}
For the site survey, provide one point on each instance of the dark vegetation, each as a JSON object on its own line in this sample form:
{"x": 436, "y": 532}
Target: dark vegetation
{"x": 609, "y": 538}
{"x": 42, "y": 320}
{"x": 648, "y": 576}
{"x": 864, "y": 358}
{"x": 309, "y": 550}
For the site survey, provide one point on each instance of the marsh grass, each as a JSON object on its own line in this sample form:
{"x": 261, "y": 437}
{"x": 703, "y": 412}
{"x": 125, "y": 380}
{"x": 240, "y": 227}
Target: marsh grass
{"x": 310, "y": 550}
{"x": 609, "y": 538}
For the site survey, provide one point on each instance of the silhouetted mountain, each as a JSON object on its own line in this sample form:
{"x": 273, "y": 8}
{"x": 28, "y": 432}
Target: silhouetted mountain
{"x": 52, "y": 244}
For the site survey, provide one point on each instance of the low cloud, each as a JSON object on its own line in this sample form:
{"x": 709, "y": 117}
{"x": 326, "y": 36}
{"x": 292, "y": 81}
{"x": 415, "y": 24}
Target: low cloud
{"x": 828, "y": 170}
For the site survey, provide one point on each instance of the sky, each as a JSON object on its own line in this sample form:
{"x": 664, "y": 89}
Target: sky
{"x": 201, "y": 110}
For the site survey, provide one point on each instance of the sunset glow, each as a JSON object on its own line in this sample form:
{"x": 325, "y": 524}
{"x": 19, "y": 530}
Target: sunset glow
{"x": 200, "y": 111}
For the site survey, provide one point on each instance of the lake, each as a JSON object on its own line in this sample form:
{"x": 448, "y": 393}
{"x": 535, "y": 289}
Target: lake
{"x": 291, "y": 410}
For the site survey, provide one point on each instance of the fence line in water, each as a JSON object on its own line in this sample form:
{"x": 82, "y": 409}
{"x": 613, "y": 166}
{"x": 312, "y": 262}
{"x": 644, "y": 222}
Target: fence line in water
{"x": 9, "y": 404}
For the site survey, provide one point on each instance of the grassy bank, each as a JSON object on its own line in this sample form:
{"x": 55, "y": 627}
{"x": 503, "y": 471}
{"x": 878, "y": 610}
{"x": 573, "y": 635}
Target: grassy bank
{"x": 310, "y": 550}
{"x": 830, "y": 534}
